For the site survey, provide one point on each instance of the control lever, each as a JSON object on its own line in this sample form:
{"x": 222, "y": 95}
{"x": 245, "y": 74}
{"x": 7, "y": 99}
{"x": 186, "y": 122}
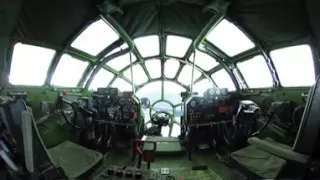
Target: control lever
{"x": 4, "y": 154}
{"x": 145, "y": 155}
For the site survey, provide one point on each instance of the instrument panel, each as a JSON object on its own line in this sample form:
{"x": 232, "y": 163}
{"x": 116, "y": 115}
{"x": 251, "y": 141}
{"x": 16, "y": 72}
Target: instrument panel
{"x": 113, "y": 105}
{"x": 211, "y": 107}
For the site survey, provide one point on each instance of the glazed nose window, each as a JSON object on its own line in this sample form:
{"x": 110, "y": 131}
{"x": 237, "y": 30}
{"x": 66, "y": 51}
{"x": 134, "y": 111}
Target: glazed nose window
{"x": 223, "y": 80}
{"x": 148, "y": 45}
{"x": 229, "y": 38}
{"x": 256, "y": 72}
{"x": 177, "y": 46}
{"x": 30, "y": 64}
{"x": 68, "y": 77}
{"x": 95, "y": 38}
{"x": 294, "y": 65}
{"x": 203, "y": 60}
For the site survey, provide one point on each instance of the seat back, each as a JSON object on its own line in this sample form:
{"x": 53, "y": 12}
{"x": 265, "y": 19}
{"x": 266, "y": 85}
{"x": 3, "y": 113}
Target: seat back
{"x": 308, "y": 132}
{"x": 21, "y": 126}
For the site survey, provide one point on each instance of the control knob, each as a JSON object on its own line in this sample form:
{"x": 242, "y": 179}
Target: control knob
{"x": 110, "y": 171}
{"x": 138, "y": 175}
{"x": 119, "y": 172}
{"x": 128, "y": 173}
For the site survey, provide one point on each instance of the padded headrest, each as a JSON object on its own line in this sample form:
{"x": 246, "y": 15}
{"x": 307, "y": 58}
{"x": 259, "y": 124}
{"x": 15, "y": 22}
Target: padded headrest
{"x": 310, "y": 123}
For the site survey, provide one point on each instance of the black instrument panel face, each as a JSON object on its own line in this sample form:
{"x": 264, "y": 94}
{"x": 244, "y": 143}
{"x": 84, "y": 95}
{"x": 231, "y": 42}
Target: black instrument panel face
{"x": 211, "y": 107}
{"x": 113, "y": 105}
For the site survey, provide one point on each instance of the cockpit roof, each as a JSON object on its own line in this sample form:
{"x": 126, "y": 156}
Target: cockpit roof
{"x": 78, "y": 34}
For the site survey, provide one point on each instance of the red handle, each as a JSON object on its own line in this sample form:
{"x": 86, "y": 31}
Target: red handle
{"x": 139, "y": 141}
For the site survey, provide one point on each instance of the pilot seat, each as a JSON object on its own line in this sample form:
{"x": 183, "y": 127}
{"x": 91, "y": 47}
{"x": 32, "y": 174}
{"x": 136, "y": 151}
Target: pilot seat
{"x": 66, "y": 159}
{"x": 268, "y": 159}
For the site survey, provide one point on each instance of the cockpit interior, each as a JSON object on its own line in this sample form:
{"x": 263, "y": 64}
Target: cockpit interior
{"x": 159, "y": 89}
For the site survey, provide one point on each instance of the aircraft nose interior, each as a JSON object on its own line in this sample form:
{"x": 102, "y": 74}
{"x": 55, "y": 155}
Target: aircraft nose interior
{"x": 159, "y": 90}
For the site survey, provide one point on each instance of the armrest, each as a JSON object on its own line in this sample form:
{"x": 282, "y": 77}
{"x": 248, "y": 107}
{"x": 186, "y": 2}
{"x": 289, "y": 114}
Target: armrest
{"x": 278, "y": 149}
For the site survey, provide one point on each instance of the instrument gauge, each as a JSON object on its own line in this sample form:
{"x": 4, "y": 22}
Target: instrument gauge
{"x": 122, "y": 100}
{"x": 113, "y": 91}
{"x": 130, "y": 101}
{"x": 126, "y": 109}
{"x": 218, "y": 91}
{"x": 107, "y": 91}
{"x": 224, "y": 91}
{"x": 193, "y": 103}
{"x": 202, "y": 101}
{"x": 133, "y": 109}
{"x": 211, "y": 92}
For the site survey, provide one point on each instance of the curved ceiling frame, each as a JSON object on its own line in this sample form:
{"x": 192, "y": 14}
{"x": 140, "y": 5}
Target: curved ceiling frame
{"x": 99, "y": 61}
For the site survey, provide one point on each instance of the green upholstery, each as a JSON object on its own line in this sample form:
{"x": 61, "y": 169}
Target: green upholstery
{"x": 258, "y": 162}
{"x": 278, "y": 149}
{"x": 74, "y": 159}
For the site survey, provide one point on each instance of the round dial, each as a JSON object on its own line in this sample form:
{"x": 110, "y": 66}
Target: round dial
{"x": 133, "y": 108}
{"x": 193, "y": 103}
{"x": 211, "y": 92}
{"x": 224, "y": 91}
{"x": 113, "y": 91}
{"x": 130, "y": 100}
{"x": 122, "y": 100}
{"x": 126, "y": 109}
{"x": 218, "y": 91}
{"x": 202, "y": 101}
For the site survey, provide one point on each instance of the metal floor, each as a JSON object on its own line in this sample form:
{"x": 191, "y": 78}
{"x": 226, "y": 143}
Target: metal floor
{"x": 180, "y": 166}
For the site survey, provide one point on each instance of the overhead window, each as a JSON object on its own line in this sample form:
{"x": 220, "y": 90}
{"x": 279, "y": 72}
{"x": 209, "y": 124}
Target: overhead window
{"x": 177, "y": 46}
{"x": 171, "y": 67}
{"x": 68, "y": 72}
{"x": 294, "y": 65}
{"x": 186, "y": 75}
{"x": 122, "y": 85}
{"x": 172, "y": 92}
{"x": 151, "y": 91}
{"x": 30, "y": 64}
{"x": 202, "y": 86}
{"x": 154, "y": 68}
{"x": 95, "y": 38}
{"x": 223, "y": 80}
{"x": 230, "y": 39}
{"x": 138, "y": 74}
{"x": 101, "y": 79}
{"x": 121, "y": 62}
{"x": 256, "y": 72}
{"x": 204, "y": 61}
{"x": 148, "y": 45}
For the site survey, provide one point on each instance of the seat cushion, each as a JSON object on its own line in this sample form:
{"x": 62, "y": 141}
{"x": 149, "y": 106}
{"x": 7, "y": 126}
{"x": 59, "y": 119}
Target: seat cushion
{"x": 259, "y": 162}
{"x": 74, "y": 159}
